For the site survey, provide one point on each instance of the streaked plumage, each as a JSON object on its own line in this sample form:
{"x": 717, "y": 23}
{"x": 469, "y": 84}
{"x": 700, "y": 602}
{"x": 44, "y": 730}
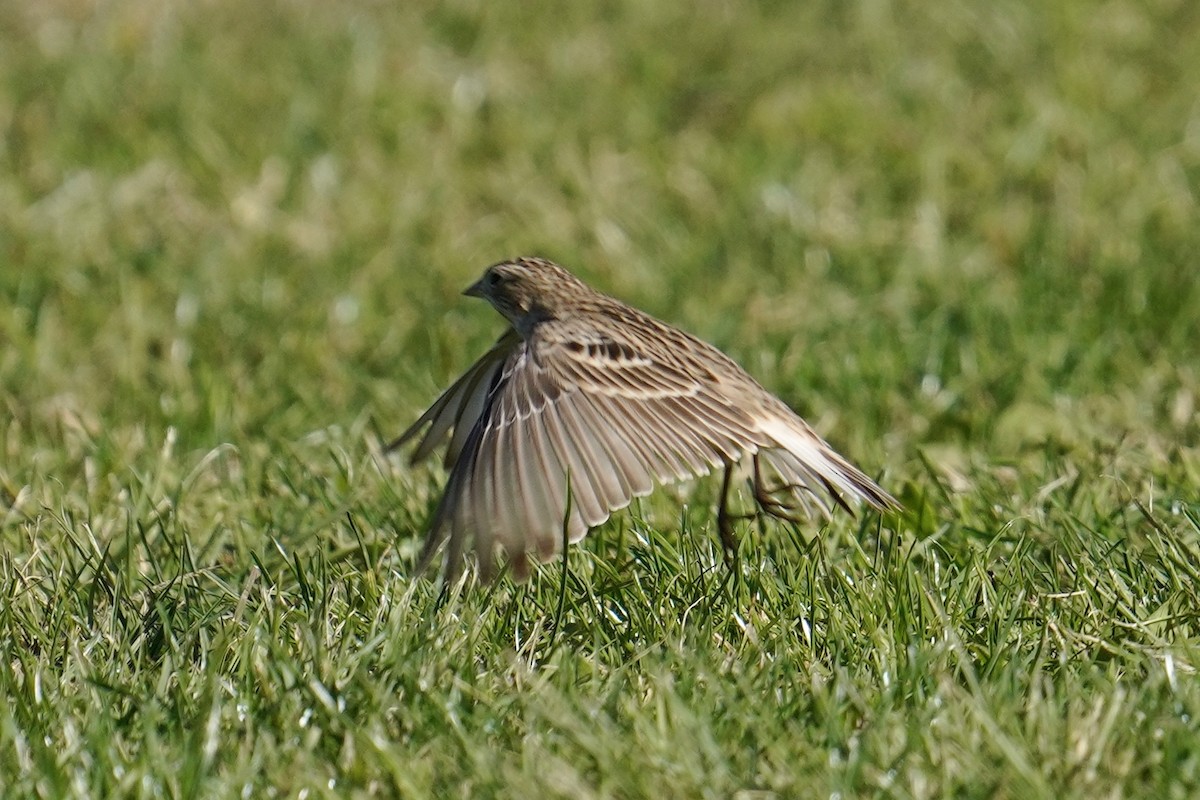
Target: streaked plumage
{"x": 586, "y": 390}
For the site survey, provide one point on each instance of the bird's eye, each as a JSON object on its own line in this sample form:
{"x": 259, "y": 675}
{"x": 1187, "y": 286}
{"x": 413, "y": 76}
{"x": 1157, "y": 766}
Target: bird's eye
{"x": 495, "y": 279}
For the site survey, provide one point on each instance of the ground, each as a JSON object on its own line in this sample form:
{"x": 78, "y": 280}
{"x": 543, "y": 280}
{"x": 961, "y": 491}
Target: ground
{"x": 960, "y": 238}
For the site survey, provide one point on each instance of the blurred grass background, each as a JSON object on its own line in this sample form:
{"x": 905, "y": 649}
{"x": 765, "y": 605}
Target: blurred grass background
{"x": 959, "y": 237}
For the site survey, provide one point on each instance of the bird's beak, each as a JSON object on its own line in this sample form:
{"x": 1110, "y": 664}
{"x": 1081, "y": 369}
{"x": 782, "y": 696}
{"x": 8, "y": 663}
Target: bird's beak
{"x": 475, "y": 289}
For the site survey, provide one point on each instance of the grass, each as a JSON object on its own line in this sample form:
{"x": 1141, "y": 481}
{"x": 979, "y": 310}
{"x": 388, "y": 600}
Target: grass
{"x": 958, "y": 238}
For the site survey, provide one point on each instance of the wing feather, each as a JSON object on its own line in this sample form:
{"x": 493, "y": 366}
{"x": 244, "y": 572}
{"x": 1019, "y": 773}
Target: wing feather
{"x": 574, "y": 447}
{"x": 611, "y": 456}
{"x": 526, "y": 488}
{"x": 486, "y": 499}
{"x": 459, "y": 407}
{"x": 571, "y": 409}
{"x": 667, "y": 453}
{"x": 693, "y": 431}
{"x": 634, "y": 473}
{"x": 649, "y": 455}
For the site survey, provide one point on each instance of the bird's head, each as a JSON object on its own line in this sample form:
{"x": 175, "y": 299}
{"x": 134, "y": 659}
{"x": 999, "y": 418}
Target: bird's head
{"x": 528, "y": 290}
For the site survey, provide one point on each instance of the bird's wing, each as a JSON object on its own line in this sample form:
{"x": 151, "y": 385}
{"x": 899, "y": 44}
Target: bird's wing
{"x": 572, "y": 412}
{"x": 457, "y": 409}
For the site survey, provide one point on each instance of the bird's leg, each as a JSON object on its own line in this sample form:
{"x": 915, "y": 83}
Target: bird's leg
{"x": 764, "y": 496}
{"x": 725, "y": 520}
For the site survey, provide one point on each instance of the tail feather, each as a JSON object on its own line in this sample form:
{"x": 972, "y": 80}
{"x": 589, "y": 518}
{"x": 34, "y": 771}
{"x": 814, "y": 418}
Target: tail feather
{"x": 806, "y": 461}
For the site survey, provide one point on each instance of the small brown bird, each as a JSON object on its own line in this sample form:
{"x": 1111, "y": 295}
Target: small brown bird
{"x": 589, "y": 396}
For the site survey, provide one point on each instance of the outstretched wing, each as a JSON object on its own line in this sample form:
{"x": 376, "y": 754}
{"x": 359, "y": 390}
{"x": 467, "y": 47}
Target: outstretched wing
{"x": 549, "y": 436}
{"x": 457, "y": 409}
{"x": 570, "y": 412}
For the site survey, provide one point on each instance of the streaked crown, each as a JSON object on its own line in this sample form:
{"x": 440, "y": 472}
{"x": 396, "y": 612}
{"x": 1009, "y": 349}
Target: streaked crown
{"x": 529, "y": 290}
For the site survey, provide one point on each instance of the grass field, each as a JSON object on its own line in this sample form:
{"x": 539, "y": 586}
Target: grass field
{"x": 961, "y": 238}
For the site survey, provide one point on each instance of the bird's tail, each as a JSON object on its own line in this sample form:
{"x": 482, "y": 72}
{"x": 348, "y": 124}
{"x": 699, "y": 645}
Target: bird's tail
{"x": 806, "y": 469}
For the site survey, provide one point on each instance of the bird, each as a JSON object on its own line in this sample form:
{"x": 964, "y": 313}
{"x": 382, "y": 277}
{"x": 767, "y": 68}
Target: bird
{"x": 585, "y": 403}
